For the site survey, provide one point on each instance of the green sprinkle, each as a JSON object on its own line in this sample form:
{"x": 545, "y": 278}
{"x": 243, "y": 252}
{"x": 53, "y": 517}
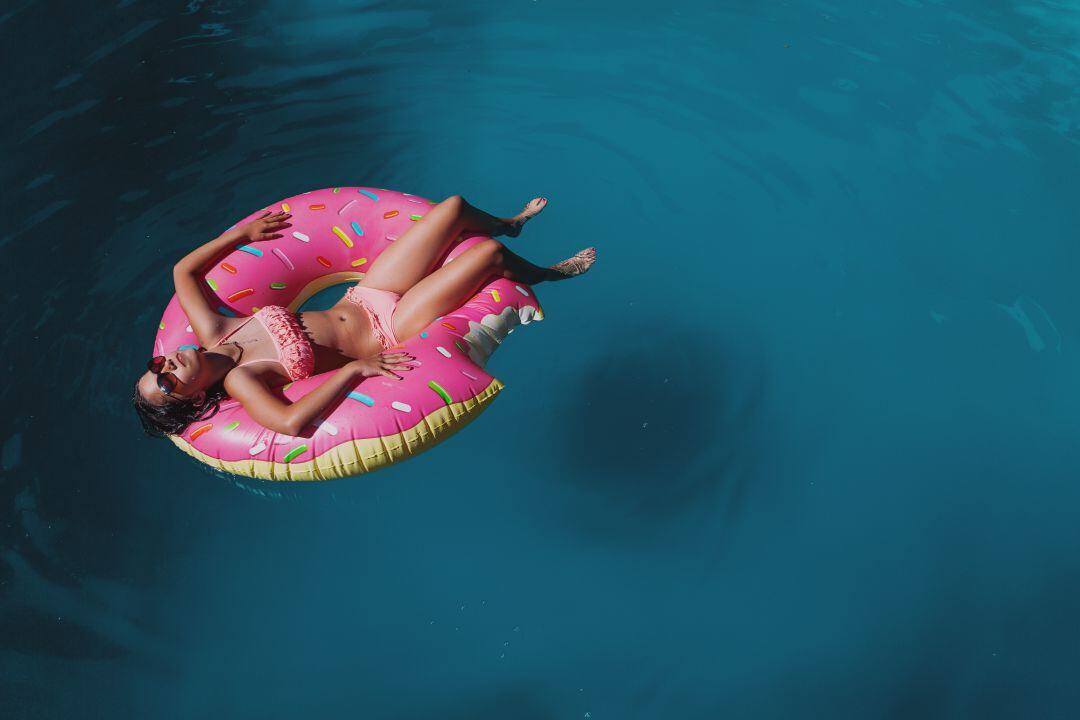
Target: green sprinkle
{"x": 212, "y": 284}
{"x": 294, "y": 452}
{"x": 337, "y": 190}
{"x": 415, "y": 217}
{"x": 232, "y": 426}
{"x": 461, "y": 347}
{"x": 161, "y": 325}
{"x": 440, "y": 391}
{"x": 277, "y": 286}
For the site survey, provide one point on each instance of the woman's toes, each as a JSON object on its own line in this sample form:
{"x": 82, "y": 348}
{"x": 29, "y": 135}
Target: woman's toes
{"x": 531, "y": 210}
{"x": 575, "y": 265}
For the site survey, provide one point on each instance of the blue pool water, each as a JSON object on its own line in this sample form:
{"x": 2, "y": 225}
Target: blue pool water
{"x": 803, "y": 443}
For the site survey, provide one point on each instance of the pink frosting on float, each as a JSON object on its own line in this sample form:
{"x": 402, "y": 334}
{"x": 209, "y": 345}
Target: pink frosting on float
{"x": 337, "y": 232}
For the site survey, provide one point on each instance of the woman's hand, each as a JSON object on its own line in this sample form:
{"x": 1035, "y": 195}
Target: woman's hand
{"x": 267, "y": 226}
{"x": 385, "y": 363}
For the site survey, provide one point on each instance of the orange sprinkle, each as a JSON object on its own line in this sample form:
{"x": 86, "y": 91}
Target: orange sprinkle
{"x": 228, "y": 268}
{"x": 388, "y": 215}
{"x": 199, "y": 432}
{"x": 255, "y": 310}
{"x": 241, "y": 294}
{"x": 317, "y": 206}
{"x": 448, "y": 325}
{"x": 323, "y": 261}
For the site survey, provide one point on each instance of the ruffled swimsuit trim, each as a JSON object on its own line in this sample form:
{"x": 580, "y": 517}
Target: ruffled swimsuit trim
{"x": 291, "y": 342}
{"x": 379, "y": 306}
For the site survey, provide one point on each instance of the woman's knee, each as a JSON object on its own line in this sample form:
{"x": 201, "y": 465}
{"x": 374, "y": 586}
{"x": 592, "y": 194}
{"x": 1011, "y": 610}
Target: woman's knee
{"x": 455, "y": 203}
{"x": 491, "y": 250}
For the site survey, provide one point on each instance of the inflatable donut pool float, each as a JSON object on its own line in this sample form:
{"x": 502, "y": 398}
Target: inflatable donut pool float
{"x": 335, "y": 234}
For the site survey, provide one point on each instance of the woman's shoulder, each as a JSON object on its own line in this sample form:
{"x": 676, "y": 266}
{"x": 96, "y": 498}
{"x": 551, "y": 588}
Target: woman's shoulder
{"x": 219, "y": 327}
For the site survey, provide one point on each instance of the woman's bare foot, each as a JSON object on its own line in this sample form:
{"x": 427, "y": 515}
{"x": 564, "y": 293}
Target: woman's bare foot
{"x": 576, "y": 264}
{"x": 532, "y": 208}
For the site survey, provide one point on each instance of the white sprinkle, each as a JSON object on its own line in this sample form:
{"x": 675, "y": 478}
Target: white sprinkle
{"x": 391, "y": 238}
{"x": 443, "y": 350}
{"x": 522, "y": 290}
{"x": 401, "y": 406}
{"x": 188, "y": 328}
{"x": 471, "y": 377}
{"x": 301, "y": 237}
{"x": 284, "y": 259}
{"x": 328, "y": 427}
{"x": 256, "y": 449}
{"x": 344, "y": 207}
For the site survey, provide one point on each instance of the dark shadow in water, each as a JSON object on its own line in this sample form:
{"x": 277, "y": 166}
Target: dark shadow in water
{"x": 32, "y": 632}
{"x": 118, "y": 111}
{"x": 126, "y": 64}
{"x": 663, "y": 423}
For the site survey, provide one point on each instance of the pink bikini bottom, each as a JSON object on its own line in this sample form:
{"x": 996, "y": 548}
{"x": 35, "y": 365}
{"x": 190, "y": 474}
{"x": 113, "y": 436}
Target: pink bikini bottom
{"x": 379, "y": 306}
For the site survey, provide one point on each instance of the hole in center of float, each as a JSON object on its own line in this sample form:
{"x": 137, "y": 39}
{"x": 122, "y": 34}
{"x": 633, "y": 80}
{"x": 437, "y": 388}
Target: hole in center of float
{"x": 325, "y": 298}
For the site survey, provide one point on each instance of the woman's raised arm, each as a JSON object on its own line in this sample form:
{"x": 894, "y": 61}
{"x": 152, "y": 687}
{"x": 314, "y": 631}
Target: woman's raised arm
{"x": 204, "y": 319}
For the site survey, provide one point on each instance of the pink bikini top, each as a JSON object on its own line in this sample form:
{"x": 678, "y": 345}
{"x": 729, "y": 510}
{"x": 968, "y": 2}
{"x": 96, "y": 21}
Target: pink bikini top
{"x": 291, "y": 342}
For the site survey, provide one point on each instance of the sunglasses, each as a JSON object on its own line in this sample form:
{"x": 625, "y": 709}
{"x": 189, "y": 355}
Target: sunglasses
{"x": 166, "y": 382}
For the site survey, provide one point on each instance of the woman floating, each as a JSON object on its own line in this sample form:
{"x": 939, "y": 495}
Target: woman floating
{"x": 250, "y": 358}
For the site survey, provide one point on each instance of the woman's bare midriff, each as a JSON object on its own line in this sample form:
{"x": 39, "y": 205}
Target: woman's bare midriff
{"x": 344, "y": 328}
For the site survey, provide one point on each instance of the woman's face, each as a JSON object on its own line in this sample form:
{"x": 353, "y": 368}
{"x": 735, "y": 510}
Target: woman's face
{"x": 189, "y": 368}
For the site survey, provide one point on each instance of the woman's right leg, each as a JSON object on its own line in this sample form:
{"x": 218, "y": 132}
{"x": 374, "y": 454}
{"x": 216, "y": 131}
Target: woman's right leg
{"x": 413, "y": 256}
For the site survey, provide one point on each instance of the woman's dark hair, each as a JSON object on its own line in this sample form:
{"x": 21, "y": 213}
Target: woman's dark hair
{"x": 175, "y": 414}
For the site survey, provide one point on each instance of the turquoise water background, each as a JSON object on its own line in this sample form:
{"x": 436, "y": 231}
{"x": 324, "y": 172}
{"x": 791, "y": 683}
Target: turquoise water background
{"x": 802, "y": 444}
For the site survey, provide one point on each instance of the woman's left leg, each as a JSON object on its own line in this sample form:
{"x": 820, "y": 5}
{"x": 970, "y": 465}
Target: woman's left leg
{"x": 450, "y": 286}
